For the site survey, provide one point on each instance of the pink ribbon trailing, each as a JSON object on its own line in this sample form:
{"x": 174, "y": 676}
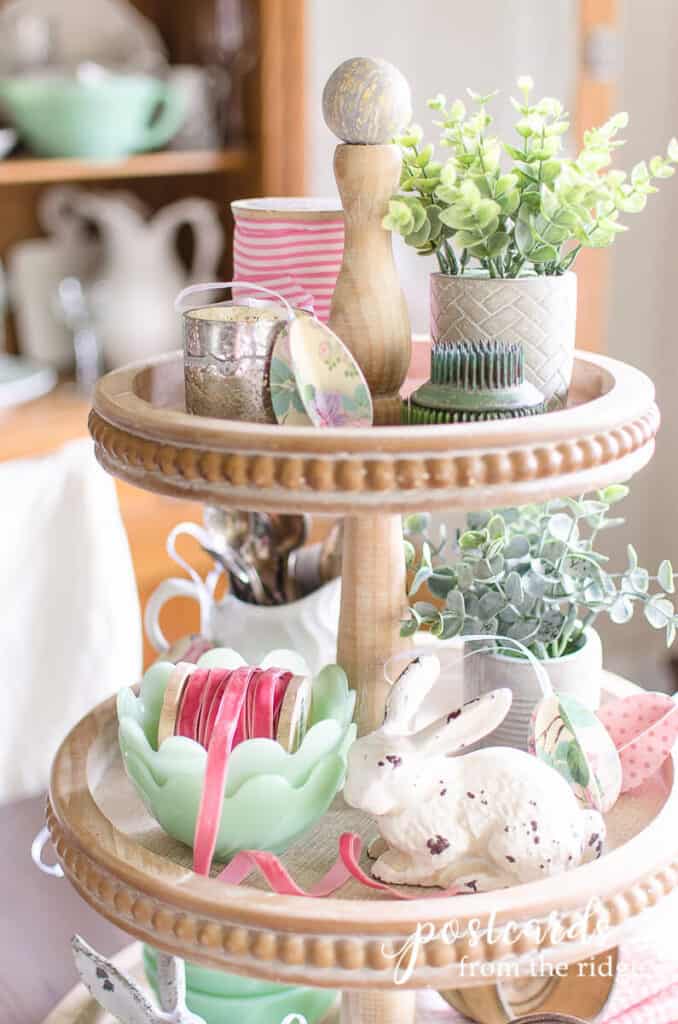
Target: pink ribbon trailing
{"x": 347, "y": 865}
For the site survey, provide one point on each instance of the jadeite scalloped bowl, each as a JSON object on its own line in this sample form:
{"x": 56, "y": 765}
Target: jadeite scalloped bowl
{"x": 271, "y": 796}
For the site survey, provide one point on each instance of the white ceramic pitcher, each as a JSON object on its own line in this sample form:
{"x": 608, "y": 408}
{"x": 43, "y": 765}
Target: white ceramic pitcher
{"x": 132, "y": 300}
{"x": 308, "y": 626}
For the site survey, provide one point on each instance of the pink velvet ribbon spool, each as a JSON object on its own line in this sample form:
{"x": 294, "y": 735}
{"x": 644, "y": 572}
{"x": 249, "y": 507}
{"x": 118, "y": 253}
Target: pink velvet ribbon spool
{"x": 220, "y": 708}
{"x": 292, "y": 245}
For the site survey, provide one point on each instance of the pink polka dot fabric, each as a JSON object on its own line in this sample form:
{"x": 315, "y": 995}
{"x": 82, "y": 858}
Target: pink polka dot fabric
{"x": 644, "y": 728}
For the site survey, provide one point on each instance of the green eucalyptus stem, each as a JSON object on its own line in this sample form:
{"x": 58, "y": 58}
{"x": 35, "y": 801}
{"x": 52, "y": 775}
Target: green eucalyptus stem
{"x": 590, "y": 617}
{"x": 533, "y": 575}
{"x": 516, "y": 266}
{"x": 565, "y": 638}
{"x": 531, "y": 209}
{"x": 566, "y": 551}
{"x": 454, "y": 266}
{"x": 571, "y": 256}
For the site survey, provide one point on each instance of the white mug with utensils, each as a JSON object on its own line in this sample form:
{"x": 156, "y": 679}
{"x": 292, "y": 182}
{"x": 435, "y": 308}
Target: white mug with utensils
{"x": 308, "y": 626}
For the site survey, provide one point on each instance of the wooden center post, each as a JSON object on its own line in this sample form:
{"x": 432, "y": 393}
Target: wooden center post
{"x": 378, "y": 1007}
{"x": 372, "y": 605}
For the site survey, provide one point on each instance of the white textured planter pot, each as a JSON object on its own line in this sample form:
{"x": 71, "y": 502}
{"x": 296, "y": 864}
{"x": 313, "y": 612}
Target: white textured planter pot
{"x": 578, "y": 675}
{"x": 538, "y": 312}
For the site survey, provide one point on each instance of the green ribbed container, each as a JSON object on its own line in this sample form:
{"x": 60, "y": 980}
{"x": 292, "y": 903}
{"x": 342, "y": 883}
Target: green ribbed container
{"x": 474, "y": 381}
{"x": 415, "y": 414}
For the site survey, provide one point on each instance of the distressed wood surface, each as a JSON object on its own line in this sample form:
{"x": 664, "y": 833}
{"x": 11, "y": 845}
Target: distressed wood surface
{"x": 378, "y": 1008}
{"x": 167, "y": 164}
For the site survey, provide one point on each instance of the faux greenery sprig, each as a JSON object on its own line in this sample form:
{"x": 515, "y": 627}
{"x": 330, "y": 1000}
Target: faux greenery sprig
{"x": 533, "y": 574}
{"x": 534, "y": 217}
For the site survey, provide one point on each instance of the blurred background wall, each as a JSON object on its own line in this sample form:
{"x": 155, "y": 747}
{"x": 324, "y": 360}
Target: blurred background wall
{"x": 641, "y": 317}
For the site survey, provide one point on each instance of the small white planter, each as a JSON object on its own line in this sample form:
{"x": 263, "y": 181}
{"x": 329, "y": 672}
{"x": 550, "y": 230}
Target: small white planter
{"x": 578, "y": 675}
{"x": 538, "y": 312}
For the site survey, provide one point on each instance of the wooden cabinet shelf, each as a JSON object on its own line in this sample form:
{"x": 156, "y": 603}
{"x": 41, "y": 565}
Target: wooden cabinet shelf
{"x": 169, "y": 163}
{"x": 271, "y": 162}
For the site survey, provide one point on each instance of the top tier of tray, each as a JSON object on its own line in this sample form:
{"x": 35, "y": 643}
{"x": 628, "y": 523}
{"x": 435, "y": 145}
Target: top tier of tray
{"x": 143, "y": 435}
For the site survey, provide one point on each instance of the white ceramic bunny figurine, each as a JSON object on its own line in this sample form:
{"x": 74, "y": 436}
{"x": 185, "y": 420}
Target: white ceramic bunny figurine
{"x": 491, "y": 818}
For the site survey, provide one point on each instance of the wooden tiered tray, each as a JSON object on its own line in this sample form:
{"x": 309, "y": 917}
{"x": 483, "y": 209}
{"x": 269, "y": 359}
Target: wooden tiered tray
{"x": 370, "y": 477}
{"x": 131, "y": 872}
{"x": 120, "y": 860}
{"x": 142, "y": 433}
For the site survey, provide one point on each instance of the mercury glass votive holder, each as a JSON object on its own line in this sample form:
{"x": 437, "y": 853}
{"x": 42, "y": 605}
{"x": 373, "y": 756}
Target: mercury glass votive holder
{"x": 228, "y": 349}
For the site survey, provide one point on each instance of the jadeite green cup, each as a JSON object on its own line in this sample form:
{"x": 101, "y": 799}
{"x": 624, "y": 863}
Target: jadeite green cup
{"x": 100, "y": 118}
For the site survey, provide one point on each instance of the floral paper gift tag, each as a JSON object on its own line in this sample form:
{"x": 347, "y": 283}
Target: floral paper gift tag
{"x": 288, "y": 407}
{"x": 315, "y": 379}
{"x": 568, "y": 737}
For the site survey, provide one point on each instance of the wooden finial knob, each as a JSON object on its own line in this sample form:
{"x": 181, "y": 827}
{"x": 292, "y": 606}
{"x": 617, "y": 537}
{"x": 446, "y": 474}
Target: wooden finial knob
{"x": 367, "y": 101}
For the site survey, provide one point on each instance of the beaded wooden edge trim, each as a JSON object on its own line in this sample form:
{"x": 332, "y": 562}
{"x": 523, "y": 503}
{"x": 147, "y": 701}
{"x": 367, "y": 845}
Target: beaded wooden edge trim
{"x": 327, "y": 961}
{"x": 380, "y": 481}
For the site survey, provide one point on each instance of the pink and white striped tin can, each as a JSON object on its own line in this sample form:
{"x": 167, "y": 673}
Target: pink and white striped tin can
{"x": 292, "y": 245}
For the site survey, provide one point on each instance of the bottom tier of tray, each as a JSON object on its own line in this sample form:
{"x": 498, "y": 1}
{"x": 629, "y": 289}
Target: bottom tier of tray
{"x": 131, "y": 872}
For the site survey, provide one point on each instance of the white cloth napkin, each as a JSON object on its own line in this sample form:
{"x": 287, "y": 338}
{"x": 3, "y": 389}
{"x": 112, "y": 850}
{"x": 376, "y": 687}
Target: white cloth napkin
{"x": 70, "y": 625}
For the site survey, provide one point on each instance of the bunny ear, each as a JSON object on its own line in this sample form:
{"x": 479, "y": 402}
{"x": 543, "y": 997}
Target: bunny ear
{"x": 408, "y": 691}
{"x": 465, "y": 725}
{"x": 112, "y": 989}
{"x": 171, "y": 983}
